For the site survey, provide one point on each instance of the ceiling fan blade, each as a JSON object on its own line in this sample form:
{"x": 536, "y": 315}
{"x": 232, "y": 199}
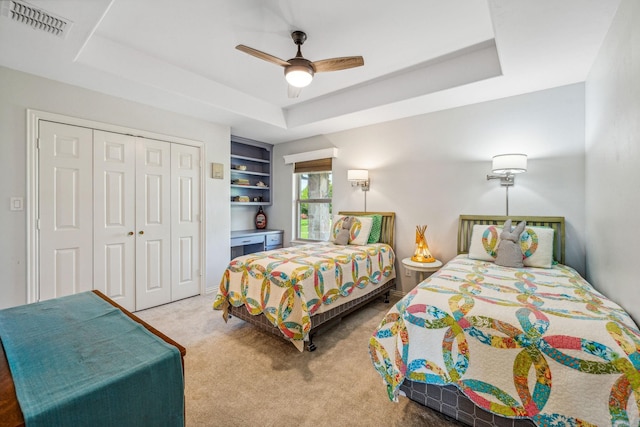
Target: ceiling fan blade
{"x": 264, "y": 56}
{"x": 335, "y": 64}
{"x": 294, "y": 92}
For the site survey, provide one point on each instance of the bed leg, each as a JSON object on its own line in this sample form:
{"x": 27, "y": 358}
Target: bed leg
{"x": 311, "y": 346}
{"x": 386, "y": 297}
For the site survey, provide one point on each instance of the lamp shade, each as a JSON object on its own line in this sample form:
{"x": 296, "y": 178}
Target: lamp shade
{"x": 357, "y": 174}
{"x": 298, "y": 75}
{"x": 509, "y": 163}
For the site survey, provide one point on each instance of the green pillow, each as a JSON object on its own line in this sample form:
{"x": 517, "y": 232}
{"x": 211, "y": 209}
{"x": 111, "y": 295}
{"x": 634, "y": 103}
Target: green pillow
{"x": 376, "y": 229}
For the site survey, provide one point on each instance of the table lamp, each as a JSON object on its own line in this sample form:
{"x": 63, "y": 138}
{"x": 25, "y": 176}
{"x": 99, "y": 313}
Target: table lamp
{"x": 422, "y": 254}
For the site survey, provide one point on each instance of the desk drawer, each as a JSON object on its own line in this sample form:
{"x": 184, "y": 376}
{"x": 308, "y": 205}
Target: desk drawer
{"x": 274, "y": 239}
{"x": 247, "y": 240}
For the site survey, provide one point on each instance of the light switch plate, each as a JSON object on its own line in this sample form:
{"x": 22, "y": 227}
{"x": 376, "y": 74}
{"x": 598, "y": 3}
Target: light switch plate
{"x": 217, "y": 171}
{"x": 17, "y": 204}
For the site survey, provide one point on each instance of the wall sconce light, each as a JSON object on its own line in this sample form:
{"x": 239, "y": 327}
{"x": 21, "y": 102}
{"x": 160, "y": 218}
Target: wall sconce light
{"x": 505, "y": 167}
{"x": 359, "y": 178}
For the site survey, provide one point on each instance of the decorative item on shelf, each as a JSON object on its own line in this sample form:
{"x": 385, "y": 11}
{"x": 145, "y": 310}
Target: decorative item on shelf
{"x": 422, "y": 254}
{"x": 240, "y": 181}
{"x": 504, "y": 168}
{"x": 261, "y": 219}
{"x": 241, "y": 167}
{"x": 241, "y": 199}
{"x": 260, "y": 184}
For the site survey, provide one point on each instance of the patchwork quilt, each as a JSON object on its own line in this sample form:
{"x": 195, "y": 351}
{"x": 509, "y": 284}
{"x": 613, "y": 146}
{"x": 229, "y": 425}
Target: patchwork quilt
{"x": 290, "y": 285}
{"x": 529, "y": 343}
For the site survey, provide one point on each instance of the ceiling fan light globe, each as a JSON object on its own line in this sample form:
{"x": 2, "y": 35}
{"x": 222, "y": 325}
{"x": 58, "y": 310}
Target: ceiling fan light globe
{"x": 298, "y": 75}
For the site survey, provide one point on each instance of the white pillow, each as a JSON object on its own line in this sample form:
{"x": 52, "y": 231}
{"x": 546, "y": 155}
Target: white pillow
{"x": 536, "y": 244}
{"x": 359, "y": 232}
{"x": 484, "y": 242}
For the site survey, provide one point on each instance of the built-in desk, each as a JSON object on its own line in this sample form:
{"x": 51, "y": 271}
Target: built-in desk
{"x": 245, "y": 242}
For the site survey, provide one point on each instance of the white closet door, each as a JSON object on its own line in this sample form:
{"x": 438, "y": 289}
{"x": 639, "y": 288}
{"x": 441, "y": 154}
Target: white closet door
{"x": 185, "y": 221}
{"x": 65, "y": 203}
{"x": 114, "y": 178}
{"x": 153, "y": 223}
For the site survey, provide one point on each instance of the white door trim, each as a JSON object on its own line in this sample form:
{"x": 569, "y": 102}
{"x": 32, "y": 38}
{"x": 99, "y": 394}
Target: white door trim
{"x": 33, "y": 119}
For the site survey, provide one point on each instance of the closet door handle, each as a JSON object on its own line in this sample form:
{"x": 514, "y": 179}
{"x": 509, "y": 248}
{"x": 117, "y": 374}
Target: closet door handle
{"x": 140, "y": 232}
{"x": 130, "y": 233}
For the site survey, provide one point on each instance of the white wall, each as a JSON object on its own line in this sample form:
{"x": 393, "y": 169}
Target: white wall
{"x": 429, "y": 169}
{"x": 20, "y": 91}
{"x": 612, "y": 158}
{"x": 243, "y": 217}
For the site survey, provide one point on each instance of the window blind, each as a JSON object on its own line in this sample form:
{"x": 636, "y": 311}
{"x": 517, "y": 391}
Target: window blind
{"x": 319, "y": 165}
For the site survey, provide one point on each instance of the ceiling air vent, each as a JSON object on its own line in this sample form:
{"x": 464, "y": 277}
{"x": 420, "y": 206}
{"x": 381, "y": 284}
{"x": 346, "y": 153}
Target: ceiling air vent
{"x": 36, "y": 18}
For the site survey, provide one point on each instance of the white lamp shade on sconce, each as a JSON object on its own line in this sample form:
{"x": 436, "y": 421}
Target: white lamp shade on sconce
{"x": 357, "y": 175}
{"x": 509, "y": 163}
{"x": 505, "y": 166}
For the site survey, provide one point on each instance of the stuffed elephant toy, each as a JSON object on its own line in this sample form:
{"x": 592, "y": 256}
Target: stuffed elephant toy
{"x": 509, "y": 252}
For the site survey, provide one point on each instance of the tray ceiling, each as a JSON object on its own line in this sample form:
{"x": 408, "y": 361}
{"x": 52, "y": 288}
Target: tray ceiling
{"x": 420, "y": 55}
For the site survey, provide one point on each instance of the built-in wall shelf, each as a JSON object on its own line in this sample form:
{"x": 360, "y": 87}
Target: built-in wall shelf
{"x": 250, "y": 172}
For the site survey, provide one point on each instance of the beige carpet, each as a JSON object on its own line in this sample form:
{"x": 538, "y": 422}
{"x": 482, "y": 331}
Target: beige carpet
{"x": 237, "y": 375}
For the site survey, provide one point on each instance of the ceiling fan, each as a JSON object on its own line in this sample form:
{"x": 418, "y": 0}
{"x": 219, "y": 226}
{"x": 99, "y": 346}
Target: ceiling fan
{"x": 299, "y": 71}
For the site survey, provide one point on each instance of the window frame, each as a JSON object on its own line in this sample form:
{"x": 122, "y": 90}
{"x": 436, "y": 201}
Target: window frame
{"x": 298, "y": 201}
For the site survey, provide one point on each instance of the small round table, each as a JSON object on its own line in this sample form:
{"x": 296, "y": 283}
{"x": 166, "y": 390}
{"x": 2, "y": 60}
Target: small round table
{"x": 421, "y": 267}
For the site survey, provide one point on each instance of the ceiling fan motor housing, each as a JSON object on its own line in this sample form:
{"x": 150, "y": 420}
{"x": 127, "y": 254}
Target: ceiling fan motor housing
{"x": 299, "y": 37}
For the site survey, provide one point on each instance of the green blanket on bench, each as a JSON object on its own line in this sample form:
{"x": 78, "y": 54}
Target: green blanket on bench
{"x": 77, "y": 361}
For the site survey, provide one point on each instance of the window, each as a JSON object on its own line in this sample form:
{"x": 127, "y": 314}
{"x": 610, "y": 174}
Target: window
{"x": 313, "y": 199}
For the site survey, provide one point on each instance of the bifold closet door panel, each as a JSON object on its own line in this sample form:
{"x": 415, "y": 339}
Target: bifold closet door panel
{"x": 118, "y": 213}
{"x": 114, "y": 178}
{"x": 153, "y": 223}
{"x": 65, "y": 207}
{"x": 185, "y": 221}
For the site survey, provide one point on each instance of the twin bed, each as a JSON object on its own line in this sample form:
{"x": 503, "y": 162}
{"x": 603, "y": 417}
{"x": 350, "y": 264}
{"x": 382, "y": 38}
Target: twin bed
{"x": 296, "y": 291}
{"x": 482, "y": 343}
{"x": 493, "y": 345}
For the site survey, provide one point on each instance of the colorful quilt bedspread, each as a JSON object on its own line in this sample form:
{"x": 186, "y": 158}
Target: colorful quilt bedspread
{"x": 290, "y": 285}
{"x": 529, "y": 343}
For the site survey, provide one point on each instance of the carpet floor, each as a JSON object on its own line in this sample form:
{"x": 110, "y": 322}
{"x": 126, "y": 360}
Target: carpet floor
{"x": 238, "y": 375}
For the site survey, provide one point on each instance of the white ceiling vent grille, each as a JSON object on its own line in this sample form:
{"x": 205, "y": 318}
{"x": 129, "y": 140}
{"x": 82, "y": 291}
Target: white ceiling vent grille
{"x": 36, "y": 18}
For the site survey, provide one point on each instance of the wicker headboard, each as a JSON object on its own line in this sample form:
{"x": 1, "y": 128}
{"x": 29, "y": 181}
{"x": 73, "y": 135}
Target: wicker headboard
{"x": 466, "y": 223}
{"x": 388, "y": 224}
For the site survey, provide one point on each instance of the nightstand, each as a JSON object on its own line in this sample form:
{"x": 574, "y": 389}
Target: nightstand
{"x": 421, "y": 267}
